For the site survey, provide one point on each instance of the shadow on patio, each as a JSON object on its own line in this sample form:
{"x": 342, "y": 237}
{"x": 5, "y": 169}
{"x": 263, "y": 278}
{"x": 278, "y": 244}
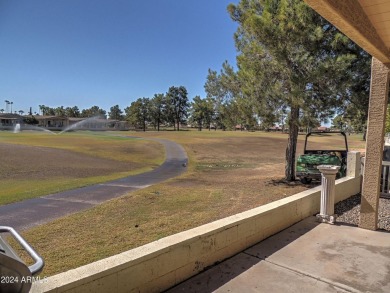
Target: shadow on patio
{"x": 307, "y": 257}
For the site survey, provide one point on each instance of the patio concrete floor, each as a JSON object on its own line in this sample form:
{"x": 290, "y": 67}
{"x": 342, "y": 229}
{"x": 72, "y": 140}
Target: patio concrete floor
{"x": 307, "y": 257}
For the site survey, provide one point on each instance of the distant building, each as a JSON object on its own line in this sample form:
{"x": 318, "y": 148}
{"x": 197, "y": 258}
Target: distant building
{"x": 322, "y": 128}
{"x": 240, "y": 127}
{"x": 8, "y": 121}
{"x": 61, "y": 123}
{"x": 52, "y": 122}
{"x": 274, "y": 128}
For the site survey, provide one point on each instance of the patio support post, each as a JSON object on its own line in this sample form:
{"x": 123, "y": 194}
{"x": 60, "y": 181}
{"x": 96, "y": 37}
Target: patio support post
{"x": 328, "y": 178}
{"x": 354, "y": 164}
{"x": 374, "y": 145}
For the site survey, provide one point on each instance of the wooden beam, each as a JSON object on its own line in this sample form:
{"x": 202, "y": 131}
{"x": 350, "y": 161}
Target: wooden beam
{"x": 349, "y": 17}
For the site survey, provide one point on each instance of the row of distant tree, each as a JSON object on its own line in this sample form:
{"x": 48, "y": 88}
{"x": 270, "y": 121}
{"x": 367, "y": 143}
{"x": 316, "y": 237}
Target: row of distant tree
{"x": 21, "y": 112}
{"x": 172, "y": 108}
{"x": 71, "y": 111}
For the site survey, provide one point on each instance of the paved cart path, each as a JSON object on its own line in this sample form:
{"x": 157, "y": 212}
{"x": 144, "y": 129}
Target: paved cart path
{"x": 36, "y": 211}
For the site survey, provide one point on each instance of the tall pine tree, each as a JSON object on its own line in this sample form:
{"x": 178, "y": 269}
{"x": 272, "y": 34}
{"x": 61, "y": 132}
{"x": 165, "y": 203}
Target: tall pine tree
{"x": 291, "y": 57}
{"x": 178, "y": 101}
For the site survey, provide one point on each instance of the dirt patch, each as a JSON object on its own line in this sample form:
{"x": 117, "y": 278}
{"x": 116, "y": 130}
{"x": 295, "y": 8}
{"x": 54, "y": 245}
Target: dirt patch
{"x": 244, "y": 172}
{"x": 21, "y": 162}
{"x": 236, "y": 150}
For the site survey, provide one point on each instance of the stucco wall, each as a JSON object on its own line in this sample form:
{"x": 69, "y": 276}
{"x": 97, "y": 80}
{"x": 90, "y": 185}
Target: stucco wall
{"x": 379, "y": 90}
{"x": 162, "y": 264}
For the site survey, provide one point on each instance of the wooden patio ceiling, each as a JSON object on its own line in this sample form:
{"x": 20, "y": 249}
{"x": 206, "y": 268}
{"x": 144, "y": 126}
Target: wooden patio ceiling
{"x": 366, "y": 22}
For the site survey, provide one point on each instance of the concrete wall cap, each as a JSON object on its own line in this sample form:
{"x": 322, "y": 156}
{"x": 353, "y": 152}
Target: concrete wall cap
{"x": 329, "y": 169}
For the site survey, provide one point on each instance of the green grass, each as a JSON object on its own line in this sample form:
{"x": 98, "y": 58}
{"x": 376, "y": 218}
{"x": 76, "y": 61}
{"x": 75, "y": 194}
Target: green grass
{"x": 27, "y": 189}
{"x": 21, "y": 180}
{"x": 104, "y": 145}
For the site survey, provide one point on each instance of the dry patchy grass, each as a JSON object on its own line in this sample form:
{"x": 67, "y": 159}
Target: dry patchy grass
{"x": 229, "y": 172}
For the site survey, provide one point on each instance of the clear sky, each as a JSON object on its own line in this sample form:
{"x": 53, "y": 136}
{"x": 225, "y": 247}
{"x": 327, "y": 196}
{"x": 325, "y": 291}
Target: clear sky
{"x": 107, "y": 52}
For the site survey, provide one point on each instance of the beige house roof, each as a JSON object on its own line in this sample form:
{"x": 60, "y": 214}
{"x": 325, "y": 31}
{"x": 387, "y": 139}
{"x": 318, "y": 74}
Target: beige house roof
{"x": 10, "y": 116}
{"x": 366, "y": 22}
{"x": 50, "y": 117}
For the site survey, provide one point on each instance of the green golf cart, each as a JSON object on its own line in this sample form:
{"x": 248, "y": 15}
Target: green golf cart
{"x": 322, "y": 148}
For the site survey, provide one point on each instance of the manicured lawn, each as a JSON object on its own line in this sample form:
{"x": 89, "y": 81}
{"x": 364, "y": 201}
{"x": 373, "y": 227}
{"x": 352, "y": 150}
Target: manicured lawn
{"x": 36, "y": 164}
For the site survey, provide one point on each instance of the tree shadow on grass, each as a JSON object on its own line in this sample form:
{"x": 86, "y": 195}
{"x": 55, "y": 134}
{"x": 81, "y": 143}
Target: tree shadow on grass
{"x": 291, "y": 184}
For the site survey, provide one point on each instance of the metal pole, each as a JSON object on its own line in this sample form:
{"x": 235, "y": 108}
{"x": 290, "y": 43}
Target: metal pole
{"x": 6, "y": 106}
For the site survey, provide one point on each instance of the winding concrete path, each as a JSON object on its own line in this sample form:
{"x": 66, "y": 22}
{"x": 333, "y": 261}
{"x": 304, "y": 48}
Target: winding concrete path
{"x": 36, "y": 211}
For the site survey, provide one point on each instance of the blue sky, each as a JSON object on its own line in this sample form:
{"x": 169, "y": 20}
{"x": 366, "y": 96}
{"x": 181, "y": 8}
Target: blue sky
{"x": 85, "y": 53}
